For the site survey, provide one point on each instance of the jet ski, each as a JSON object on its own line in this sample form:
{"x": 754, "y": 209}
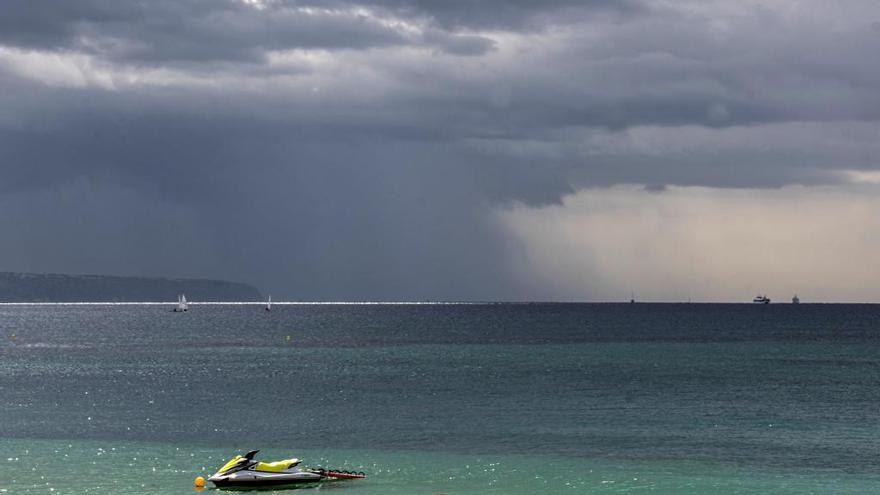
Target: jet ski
{"x": 244, "y": 472}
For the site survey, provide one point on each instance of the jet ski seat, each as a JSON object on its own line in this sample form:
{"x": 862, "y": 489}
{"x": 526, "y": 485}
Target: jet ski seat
{"x": 277, "y": 466}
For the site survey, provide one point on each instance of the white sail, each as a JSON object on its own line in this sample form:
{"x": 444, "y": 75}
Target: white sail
{"x": 269, "y": 303}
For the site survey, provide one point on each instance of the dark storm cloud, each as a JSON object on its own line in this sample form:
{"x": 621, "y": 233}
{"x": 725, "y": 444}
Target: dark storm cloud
{"x": 213, "y": 30}
{"x": 50, "y": 24}
{"x": 298, "y": 210}
{"x": 204, "y": 31}
{"x": 364, "y": 146}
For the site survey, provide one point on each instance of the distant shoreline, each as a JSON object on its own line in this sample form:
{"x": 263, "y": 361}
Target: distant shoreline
{"x": 18, "y": 287}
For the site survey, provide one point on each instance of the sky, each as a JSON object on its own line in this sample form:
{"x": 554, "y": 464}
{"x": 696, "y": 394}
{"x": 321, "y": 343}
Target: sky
{"x": 416, "y": 150}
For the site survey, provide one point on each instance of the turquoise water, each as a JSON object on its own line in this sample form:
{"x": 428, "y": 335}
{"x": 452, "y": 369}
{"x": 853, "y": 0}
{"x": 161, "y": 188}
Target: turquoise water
{"x": 82, "y": 467}
{"x": 445, "y": 399}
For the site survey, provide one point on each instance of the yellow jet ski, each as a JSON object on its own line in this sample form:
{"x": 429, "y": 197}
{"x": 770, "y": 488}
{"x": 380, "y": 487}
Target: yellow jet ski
{"x": 245, "y": 472}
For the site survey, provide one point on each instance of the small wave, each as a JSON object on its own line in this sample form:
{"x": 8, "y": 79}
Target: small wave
{"x": 48, "y": 345}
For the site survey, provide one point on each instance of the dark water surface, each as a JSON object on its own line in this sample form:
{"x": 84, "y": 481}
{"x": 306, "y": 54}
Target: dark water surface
{"x": 777, "y": 398}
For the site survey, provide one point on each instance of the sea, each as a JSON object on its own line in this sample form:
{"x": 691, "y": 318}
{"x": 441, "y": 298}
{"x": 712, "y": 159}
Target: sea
{"x": 430, "y": 399}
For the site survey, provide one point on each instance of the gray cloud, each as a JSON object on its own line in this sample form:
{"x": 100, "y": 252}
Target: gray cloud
{"x": 197, "y": 31}
{"x": 364, "y": 147}
{"x": 507, "y": 14}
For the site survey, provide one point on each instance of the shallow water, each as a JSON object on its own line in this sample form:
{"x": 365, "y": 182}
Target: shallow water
{"x": 539, "y": 398}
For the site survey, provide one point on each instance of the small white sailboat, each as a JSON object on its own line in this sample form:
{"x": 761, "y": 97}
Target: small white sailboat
{"x": 182, "y": 306}
{"x": 269, "y": 303}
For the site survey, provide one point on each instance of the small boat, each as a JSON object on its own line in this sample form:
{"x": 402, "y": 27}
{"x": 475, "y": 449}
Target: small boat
{"x": 759, "y": 299}
{"x": 182, "y": 306}
{"x": 245, "y": 472}
{"x": 269, "y": 303}
{"x": 795, "y": 299}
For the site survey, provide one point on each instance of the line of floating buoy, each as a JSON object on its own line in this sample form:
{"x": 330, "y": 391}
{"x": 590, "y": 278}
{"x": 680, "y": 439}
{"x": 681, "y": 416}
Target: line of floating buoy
{"x": 340, "y": 474}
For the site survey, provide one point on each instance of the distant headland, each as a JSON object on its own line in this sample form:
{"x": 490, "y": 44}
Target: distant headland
{"x": 51, "y": 287}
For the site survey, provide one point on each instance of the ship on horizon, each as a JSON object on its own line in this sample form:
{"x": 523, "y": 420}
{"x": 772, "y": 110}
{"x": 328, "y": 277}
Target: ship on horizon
{"x": 761, "y": 299}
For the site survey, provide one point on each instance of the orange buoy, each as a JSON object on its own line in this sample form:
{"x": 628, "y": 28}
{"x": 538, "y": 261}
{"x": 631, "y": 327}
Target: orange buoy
{"x": 199, "y": 482}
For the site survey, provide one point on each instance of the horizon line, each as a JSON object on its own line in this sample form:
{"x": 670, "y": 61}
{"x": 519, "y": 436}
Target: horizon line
{"x": 402, "y": 303}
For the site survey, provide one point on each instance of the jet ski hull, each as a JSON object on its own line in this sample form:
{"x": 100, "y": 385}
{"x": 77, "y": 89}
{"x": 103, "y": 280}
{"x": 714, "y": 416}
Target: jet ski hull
{"x": 252, "y": 479}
